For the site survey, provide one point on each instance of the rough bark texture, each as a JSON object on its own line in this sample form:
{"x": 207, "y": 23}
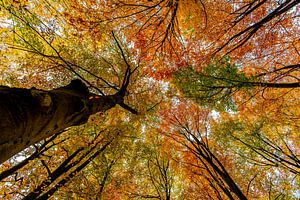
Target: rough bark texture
{"x": 30, "y": 115}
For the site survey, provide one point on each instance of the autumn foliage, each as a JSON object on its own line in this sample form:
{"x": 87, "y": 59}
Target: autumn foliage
{"x": 208, "y": 98}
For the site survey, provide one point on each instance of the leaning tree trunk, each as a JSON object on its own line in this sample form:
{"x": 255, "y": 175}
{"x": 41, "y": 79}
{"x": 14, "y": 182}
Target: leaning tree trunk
{"x": 30, "y": 115}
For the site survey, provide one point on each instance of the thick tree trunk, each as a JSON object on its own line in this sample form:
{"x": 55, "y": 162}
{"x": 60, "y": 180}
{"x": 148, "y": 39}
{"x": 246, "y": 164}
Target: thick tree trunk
{"x": 30, "y": 115}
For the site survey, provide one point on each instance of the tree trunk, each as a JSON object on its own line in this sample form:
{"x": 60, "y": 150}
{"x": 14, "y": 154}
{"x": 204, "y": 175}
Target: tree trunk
{"x": 30, "y": 115}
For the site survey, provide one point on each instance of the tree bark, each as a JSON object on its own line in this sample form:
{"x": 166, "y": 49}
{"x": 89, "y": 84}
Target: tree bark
{"x": 30, "y": 115}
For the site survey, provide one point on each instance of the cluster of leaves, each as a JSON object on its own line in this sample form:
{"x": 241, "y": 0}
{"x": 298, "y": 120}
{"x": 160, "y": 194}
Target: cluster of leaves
{"x": 214, "y": 85}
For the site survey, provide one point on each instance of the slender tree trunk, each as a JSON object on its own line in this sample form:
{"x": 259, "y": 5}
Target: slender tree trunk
{"x": 38, "y": 151}
{"x": 30, "y": 115}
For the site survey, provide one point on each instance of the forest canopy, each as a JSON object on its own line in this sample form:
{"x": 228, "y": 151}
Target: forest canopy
{"x": 160, "y": 99}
